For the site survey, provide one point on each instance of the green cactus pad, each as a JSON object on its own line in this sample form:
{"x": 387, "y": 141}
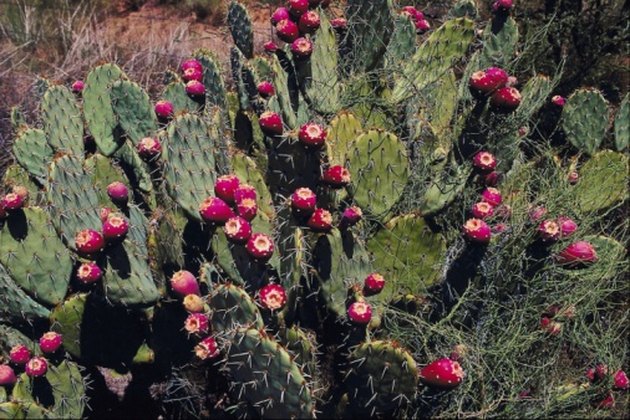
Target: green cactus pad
{"x": 240, "y": 25}
{"x": 383, "y": 377}
{"x": 603, "y": 182}
{"x": 18, "y": 122}
{"x": 15, "y": 304}
{"x": 339, "y": 262}
{"x": 15, "y": 175}
{"x": 585, "y": 119}
{"x": 292, "y": 250}
{"x": 66, "y": 319}
{"x": 129, "y": 158}
{"x": 283, "y": 95}
{"x": 301, "y": 343}
{"x": 402, "y": 44}
{"x": 498, "y": 49}
{"x": 175, "y": 93}
{"x": 232, "y": 307}
{"x": 97, "y": 107}
{"x": 263, "y": 374}
{"x": 67, "y": 387}
{"x": 464, "y": 8}
{"x": 343, "y": 131}
{"x": 10, "y": 337}
{"x": 212, "y": 80}
{"x": 134, "y": 110}
{"x": 408, "y": 254}
{"x": 19, "y": 411}
{"x": 436, "y": 55}
{"x": 439, "y": 106}
{"x": 535, "y": 94}
{"x": 63, "y": 122}
{"x": 103, "y": 172}
{"x": 73, "y": 198}
{"x": 369, "y": 30}
{"x": 379, "y": 168}
{"x": 622, "y": 125}
{"x": 444, "y": 189}
{"x": 32, "y": 152}
{"x": 35, "y": 257}
{"x": 323, "y": 87}
{"x": 189, "y": 168}
{"x": 245, "y": 168}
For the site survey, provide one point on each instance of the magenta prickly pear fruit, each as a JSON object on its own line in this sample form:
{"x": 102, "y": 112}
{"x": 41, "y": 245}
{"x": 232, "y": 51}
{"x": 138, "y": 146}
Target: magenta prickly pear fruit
{"x": 214, "y": 210}
{"x": 207, "y": 349}
{"x": 492, "y": 196}
{"x": 302, "y": 48}
{"x": 271, "y": 123}
{"x": 621, "y": 380}
{"x": 410, "y": 11}
{"x": 19, "y": 354}
{"x": 89, "y": 241}
{"x": 273, "y": 296}
{"x": 549, "y": 231}
{"x": 149, "y": 148}
{"x": 506, "y": 99}
{"x": 309, "y": 22}
{"x": 484, "y": 161}
{"x": 77, "y": 86}
{"x": 477, "y": 230}
{"x": 104, "y": 213}
{"x": 192, "y": 74}
{"x": 373, "y": 283}
{"x": 50, "y": 342}
{"x": 225, "y": 186}
{"x": 484, "y": 82}
{"x": 247, "y": 208}
{"x": 270, "y": 47}
{"x": 492, "y": 179}
{"x": 89, "y": 272}
{"x": 237, "y": 230}
{"x": 567, "y": 226}
{"x": 482, "y": 210}
{"x": 245, "y": 191}
{"x": 11, "y": 202}
{"x": 115, "y": 227}
{"x": 558, "y": 101}
{"x": 573, "y": 177}
{"x": 350, "y": 217}
{"x": 196, "y": 323}
{"x": 184, "y": 283}
{"x": 312, "y": 135}
{"x": 502, "y": 5}
{"x": 422, "y": 25}
{"x": 536, "y": 213}
{"x": 303, "y": 200}
{"x": 266, "y": 89}
{"x": 336, "y": 176}
{"x": 360, "y": 312}
{"x": 339, "y": 24}
{"x": 280, "y": 14}
{"x": 287, "y": 30}
{"x": 442, "y": 373}
{"x": 579, "y": 253}
{"x": 260, "y": 247}
{"x": 7, "y": 375}
{"x": 191, "y": 64}
{"x": 118, "y": 192}
{"x": 195, "y": 89}
{"x": 298, "y": 7}
{"x": 193, "y": 303}
{"x": 601, "y": 371}
{"x": 37, "y": 366}
{"x": 164, "y": 109}
{"x": 320, "y": 221}
{"x": 608, "y": 401}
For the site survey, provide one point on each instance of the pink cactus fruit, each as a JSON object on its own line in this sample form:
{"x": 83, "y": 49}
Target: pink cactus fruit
{"x": 195, "y": 88}
{"x": 476, "y": 230}
{"x": 492, "y": 196}
{"x": 484, "y": 161}
{"x": 260, "y": 247}
{"x": 312, "y": 135}
{"x": 89, "y": 272}
{"x": 442, "y": 373}
{"x": 351, "y": 216}
{"x": 577, "y": 254}
{"x": 302, "y": 48}
{"x": 502, "y": 5}
{"x": 265, "y": 89}
{"x": 37, "y": 366}
{"x": 271, "y": 123}
{"x": 320, "y": 220}
{"x": 270, "y": 47}
{"x": 281, "y": 13}
{"x": 506, "y": 99}
{"x": 164, "y": 109}
{"x": 19, "y": 354}
{"x": 193, "y": 303}
{"x": 77, "y": 86}
{"x": 247, "y": 208}
{"x": 298, "y": 7}
{"x": 149, "y": 148}
{"x": 115, "y": 227}
{"x": 7, "y": 375}
{"x": 207, "y": 349}
{"x": 360, "y": 312}
{"x": 336, "y": 176}
{"x": 50, "y": 342}
{"x": 225, "y": 186}
{"x": 549, "y": 230}
{"x": 339, "y": 24}
{"x": 558, "y": 101}
{"x": 118, "y": 192}
{"x": 287, "y": 30}
{"x": 214, "y": 210}
{"x": 620, "y": 380}
{"x": 309, "y": 22}
{"x": 197, "y": 323}
{"x": 374, "y": 283}
{"x": 303, "y": 200}
{"x": 567, "y": 226}
{"x": 191, "y": 63}
{"x": 12, "y": 202}
{"x": 482, "y": 210}
{"x": 89, "y": 241}
{"x": 184, "y": 283}
{"x": 272, "y": 296}
{"x": 237, "y": 230}
{"x": 192, "y": 74}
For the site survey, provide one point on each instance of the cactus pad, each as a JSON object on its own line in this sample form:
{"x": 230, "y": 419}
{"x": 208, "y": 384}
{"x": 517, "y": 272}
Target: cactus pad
{"x": 585, "y": 119}
{"x": 240, "y": 25}
{"x": 32, "y": 152}
{"x": 15, "y": 304}
{"x": 622, "y": 125}
{"x": 63, "y": 122}
{"x": 134, "y": 110}
{"x": 232, "y": 307}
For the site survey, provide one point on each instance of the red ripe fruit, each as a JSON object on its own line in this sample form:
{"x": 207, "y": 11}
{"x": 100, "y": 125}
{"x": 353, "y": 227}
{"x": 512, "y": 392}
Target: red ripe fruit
{"x": 195, "y": 88}
{"x": 214, "y": 210}
{"x": 577, "y": 254}
{"x": 37, "y": 366}
{"x": 339, "y": 24}
{"x": 536, "y": 213}
{"x": 260, "y": 247}
{"x": 484, "y": 82}
{"x": 247, "y": 209}
{"x": 422, "y": 25}
{"x": 360, "y": 312}
{"x": 484, "y": 161}
{"x": 410, "y": 11}
{"x": 287, "y": 30}
{"x": 237, "y": 230}
{"x": 506, "y": 99}
{"x": 482, "y": 210}
{"x": 309, "y": 22}
{"x": 7, "y": 375}
{"x": 192, "y": 74}
{"x": 266, "y": 89}
{"x": 184, "y": 283}
{"x": 225, "y": 186}
{"x": 567, "y": 226}
{"x": 271, "y": 123}
{"x": 77, "y": 86}
{"x": 149, "y": 148}
{"x": 270, "y": 47}
{"x": 89, "y": 272}
{"x": 492, "y": 196}
{"x": 164, "y": 109}
{"x": 280, "y": 14}
{"x": 196, "y": 323}
{"x": 336, "y": 176}
{"x": 207, "y": 349}
{"x": 312, "y": 135}
{"x": 303, "y": 200}
{"x": 320, "y": 221}
{"x": 350, "y": 217}
{"x": 302, "y": 48}
{"x": 273, "y": 296}
{"x": 245, "y": 191}
{"x": 558, "y": 101}
{"x": 115, "y": 227}
{"x": 118, "y": 192}
{"x": 620, "y": 380}
{"x": 373, "y": 283}
{"x": 191, "y": 64}
{"x": 12, "y": 201}
{"x": 502, "y": 5}
{"x": 298, "y": 7}
{"x": 19, "y": 354}
{"x": 573, "y": 177}
{"x": 477, "y": 230}
{"x": 442, "y": 373}
{"x": 89, "y": 241}
{"x": 50, "y": 342}
{"x": 549, "y": 231}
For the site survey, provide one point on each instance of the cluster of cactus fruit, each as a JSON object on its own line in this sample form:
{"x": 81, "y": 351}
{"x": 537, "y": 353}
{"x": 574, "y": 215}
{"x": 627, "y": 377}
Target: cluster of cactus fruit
{"x": 249, "y": 229}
